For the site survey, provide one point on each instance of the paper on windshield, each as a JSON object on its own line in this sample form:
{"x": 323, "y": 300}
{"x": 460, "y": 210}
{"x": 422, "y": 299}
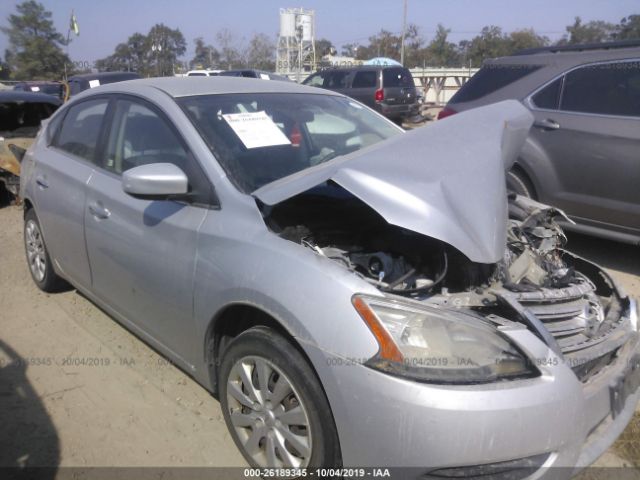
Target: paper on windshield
{"x": 94, "y": 83}
{"x": 256, "y": 129}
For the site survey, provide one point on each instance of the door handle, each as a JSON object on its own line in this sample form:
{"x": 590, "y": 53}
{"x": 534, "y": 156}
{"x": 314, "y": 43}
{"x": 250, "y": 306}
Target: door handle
{"x": 98, "y": 211}
{"x": 547, "y": 124}
{"x": 42, "y": 182}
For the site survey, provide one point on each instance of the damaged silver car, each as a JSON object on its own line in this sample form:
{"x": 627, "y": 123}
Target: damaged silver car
{"x": 353, "y": 294}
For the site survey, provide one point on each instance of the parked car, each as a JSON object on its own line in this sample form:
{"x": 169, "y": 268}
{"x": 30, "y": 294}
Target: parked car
{"x": 50, "y": 88}
{"x": 203, "y": 73}
{"x": 250, "y": 73}
{"x": 85, "y": 81}
{"x": 350, "y": 300}
{"x": 21, "y": 114}
{"x": 390, "y": 91}
{"x": 582, "y": 154}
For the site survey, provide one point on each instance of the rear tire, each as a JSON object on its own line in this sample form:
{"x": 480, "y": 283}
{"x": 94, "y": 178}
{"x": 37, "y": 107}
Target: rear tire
{"x": 519, "y": 183}
{"x": 273, "y": 404}
{"x": 38, "y": 259}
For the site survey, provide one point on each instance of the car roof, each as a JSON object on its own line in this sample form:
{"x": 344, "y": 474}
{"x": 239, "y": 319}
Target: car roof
{"x": 29, "y": 97}
{"x": 568, "y": 57}
{"x": 103, "y": 75}
{"x": 191, "y": 86}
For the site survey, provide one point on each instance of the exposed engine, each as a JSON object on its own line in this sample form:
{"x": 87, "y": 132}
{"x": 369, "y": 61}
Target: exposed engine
{"x": 567, "y": 301}
{"x": 338, "y": 226}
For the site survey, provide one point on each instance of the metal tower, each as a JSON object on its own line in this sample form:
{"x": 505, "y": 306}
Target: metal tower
{"x": 296, "y": 42}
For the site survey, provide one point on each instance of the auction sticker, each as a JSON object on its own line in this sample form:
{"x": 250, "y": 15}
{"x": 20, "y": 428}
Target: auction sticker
{"x": 256, "y": 129}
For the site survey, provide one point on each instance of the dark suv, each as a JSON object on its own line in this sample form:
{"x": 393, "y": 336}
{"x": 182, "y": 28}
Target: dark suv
{"x": 388, "y": 90}
{"x": 583, "y": 152}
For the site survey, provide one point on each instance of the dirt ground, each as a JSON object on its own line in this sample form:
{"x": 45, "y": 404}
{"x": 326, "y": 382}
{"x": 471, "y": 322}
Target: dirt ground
{"x": 77, "y": 389}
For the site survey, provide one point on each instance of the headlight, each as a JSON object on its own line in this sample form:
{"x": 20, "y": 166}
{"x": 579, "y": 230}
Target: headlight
{"x": 432, "y": 345}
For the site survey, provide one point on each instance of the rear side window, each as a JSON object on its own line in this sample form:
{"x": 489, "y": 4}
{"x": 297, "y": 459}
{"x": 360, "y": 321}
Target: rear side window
{"x": 606, "y": 89}
{"x": 549, "y": 97}
{"x": 81, "y": 128}
{"x": 491, "y": 78}
{"x": 365, "y": 80}
{"x": 397, "y": 77}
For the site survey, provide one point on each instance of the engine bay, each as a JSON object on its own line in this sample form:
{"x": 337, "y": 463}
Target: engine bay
{"x": 337, "y": 225}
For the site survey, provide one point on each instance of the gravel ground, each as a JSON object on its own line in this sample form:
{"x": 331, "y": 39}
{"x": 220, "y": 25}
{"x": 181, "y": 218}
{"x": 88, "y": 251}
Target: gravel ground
{"x": 77, "y": 389}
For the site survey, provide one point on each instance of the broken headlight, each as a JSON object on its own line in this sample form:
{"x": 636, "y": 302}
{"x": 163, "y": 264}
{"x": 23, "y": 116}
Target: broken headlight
{"x": 438, "y": 346}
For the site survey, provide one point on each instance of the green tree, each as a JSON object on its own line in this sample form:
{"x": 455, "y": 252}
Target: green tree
{"x": 629, "y": 28}
{"x": 382, "y": 44}
{"x": 592, "y": 32}
{"x": 440, "y": 51}
{"x": 491, "y": 43}
{"x": 165, "y": 45}
{"x": 524, "y": 39}
{"x": 349, "y": 50}
{"x": 206, "y": 56}
{"x": 130, "y": 56}
{"x": 35, "y": 46}
{"x": 323, "y": 47}
{"x": 260, "y": 53}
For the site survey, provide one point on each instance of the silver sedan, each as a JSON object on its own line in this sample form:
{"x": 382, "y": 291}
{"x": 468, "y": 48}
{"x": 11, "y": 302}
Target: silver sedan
{"x": 353, "y": 294}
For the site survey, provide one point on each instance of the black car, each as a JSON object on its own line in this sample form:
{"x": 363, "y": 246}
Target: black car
{"x": 390, "y": 91}
{"x": 80, "y": 83}
{"x": 49, "y": 88}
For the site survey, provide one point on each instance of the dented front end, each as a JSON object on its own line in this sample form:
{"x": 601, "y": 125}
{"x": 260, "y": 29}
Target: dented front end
{"x": 425, "y": 221}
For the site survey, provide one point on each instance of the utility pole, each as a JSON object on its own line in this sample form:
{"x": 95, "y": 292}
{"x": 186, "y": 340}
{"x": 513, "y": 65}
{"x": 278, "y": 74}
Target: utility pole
{"x": 404, "y": 30}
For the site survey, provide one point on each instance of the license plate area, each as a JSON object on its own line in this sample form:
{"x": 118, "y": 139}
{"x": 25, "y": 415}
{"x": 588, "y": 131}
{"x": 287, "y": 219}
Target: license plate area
{"x": 624, "y": 386}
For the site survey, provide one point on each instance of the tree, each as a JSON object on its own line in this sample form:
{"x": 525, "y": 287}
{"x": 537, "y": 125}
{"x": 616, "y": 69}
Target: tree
{"x": 324, "y": 47}
{"x": 165, "y": 45}
{"x": 440, "y": 51}
{"x": 231, "y": 52}
{"x": 629, "y": 28}
{"x": 154, "y": 54}
{"x": 349, "y": 50}
{"x": 524, "y": 39}
{"x": 383, "y": 44}
{"x": 130, "y": 56}
{"x": 260, "y": 53}
{"x": 206, "y": 56}
{"x": 35, "y": 46}
{"x": 592, "y": 32}
{"x": 489, "y": 44}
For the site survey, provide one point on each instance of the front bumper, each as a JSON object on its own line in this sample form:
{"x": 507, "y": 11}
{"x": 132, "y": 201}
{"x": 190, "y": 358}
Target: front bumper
{"x": 387, "y": 421}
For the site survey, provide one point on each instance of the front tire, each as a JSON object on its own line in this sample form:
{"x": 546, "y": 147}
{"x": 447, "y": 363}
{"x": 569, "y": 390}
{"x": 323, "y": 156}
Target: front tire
{"x": 273, "y": 404}
{"x": 519, "y": 184}
{"x": 38, "y": 258}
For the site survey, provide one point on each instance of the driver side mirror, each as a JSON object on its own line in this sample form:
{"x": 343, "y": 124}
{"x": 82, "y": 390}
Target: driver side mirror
{"x": 155, "y": 181}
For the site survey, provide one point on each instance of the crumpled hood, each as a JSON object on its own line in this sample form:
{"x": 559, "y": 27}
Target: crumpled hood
{"x": 445, "y": 180}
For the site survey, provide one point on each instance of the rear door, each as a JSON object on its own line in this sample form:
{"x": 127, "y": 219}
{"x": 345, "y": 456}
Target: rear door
{"x": 61, "y": 180}
{"x": 398, "y": 86}
{"x": 143, "y": 252}
{"x": 364, "y": 86}
{"x": 593, "y": 139}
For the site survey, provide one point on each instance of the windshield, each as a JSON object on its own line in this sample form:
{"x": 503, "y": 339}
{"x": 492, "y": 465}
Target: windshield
{"x": 261, "y": 137}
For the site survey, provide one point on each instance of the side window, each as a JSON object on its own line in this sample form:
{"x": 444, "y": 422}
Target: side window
{"x": 81, "y": 128}
{"x": 606, "y": 89}
{"x": 336, "y": 80}
{"x": 139, "y": 136}
{"x": 549, "y": 97}
{"x": 315, "y": 80}
{"x": 365, "y": 79}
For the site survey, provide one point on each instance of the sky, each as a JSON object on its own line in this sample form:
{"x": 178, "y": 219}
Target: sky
{"x": 103, "y": 24}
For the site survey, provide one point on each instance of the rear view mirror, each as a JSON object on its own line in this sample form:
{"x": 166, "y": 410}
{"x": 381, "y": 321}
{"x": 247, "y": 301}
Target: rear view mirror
{"x": 155, "y": 181}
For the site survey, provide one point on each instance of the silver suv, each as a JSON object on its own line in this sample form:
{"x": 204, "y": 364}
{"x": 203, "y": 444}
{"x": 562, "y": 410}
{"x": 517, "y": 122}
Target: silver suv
{"x": 582, "y": 153}
{"x": 353, "y": 294}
